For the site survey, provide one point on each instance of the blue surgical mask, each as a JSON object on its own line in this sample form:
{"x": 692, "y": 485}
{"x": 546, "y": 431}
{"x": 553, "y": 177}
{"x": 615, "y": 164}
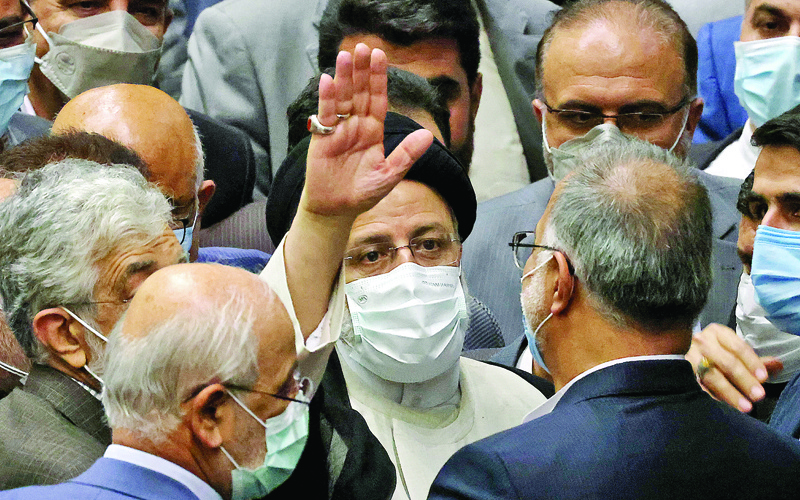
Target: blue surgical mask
{"x": 775, "y": 275}
{"x": 186, "y": 234}
{"x": 533, "y": 344}
{"x": 15, "y": 68}
{"x": 286, "y": 436}
{"x": 767, "y": 78}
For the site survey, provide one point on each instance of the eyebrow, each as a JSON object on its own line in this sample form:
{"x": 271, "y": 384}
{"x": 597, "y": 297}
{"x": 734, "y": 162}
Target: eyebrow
{"x": 766, "y": 8}
{"x": 789, "y": 198}
{"x": 579, "y": 105}
{"x": 384, "y": 238}
{"x": 10, "y": 20}
{"x": 132, "y": 269}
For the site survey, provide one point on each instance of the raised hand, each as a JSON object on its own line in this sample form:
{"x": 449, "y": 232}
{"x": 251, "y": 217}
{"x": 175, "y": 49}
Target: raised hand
{"x": 346, "y": 171}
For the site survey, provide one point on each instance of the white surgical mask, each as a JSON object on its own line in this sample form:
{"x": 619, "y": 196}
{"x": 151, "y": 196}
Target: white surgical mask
{"x": 286, "y": 436}
{"x": 564, "y": 159}
{"x": 15, "y": 68}
{"x": 764, "y": 337}
{"x": 409, "y": 323}
{"x": 767, "y": 78}
{"x": 100, "y": 50}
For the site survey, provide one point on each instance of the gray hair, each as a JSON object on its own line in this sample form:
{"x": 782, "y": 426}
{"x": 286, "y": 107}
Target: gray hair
{"x": 149, "y": 376}
{"x": 62, "y": 220}
{"x": 636, "y": 223}
{"x": 199, "y": 161}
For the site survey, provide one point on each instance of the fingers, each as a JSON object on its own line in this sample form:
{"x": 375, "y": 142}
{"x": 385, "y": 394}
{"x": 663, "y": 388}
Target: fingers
{"x": 409, "y": 151}
{"x": 736, "y": 371}
{"x": 326, "y": 110}
{"x": 361, "y": 79}
{"x": 774, "y": 365}
{"x": 344, "y": 84}
{"x": 379, "y": 101}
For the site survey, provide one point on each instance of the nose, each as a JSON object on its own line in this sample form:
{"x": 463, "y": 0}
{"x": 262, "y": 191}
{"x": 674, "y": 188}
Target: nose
{"x": 403, "y": 255}
{"x": 773, "y": 218}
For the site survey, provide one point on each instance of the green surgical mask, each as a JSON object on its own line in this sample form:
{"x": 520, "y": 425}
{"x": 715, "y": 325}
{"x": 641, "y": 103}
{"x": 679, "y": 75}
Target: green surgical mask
{"x": 286, "y": 436}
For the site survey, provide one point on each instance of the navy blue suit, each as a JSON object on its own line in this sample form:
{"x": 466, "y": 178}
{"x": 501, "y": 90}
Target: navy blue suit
{"x": 786, "y": 416}
{"x": 108, "y": 479}
{"x": 641, "y": 429}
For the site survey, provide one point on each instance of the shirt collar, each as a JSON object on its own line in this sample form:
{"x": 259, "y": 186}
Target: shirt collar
{"x": 551, "y": 403}
{"x": 137, "y": 457}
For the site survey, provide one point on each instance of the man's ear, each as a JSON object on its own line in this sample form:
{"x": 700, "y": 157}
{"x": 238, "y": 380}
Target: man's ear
{"x": 62, "y": 335}
{"x": 695, "y": 112}
{"x": 209, "y": 419}
{"x": 565, "y": 285}
{"x": 538, "y": 109}
{"x": 475, "y": 92}
{"x": 204, "y": 195}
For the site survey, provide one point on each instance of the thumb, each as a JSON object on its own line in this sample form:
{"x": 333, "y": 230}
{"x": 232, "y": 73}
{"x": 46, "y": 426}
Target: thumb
{"x": 409, "y": 151}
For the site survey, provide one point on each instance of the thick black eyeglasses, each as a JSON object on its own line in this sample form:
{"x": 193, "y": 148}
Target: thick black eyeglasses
{"x": 14, "y": 34}
{"x": 522, "y": 245}
{"x": 643, "y": 120}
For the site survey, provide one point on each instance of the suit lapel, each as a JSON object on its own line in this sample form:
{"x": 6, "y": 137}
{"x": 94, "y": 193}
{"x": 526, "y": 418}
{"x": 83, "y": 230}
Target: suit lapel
{"x": 70, "y": 399}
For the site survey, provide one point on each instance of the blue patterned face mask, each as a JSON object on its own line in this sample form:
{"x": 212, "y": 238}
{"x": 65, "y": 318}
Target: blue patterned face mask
{"x": 775, "y": 275}
{"x": 767, "y": 79}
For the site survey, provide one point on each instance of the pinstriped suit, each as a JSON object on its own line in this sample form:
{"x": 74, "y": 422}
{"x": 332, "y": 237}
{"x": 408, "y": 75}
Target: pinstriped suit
{"x": 50, "y": 431}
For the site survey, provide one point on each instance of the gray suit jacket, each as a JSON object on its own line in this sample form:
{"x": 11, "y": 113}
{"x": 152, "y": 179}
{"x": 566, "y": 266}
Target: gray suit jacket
{"x": 50, "y": 431}
{"x": 514, "y": 28}
{"x": 495, "y": 280}
{"x": 248, "y": 60}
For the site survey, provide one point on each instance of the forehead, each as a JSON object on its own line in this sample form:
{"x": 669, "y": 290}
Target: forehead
{"x": 777, "y": 171}
{"x": 408, "y": 207}
{"x": 123, "y": 271}
{"x": 430, "y": 58}
{"x": 605, "y": 65}
{"x": 790, "y": 7}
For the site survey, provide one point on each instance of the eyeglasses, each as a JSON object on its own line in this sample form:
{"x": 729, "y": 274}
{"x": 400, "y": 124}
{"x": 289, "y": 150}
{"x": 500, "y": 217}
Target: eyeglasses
{"x": 119, "y": 302}
{"x": 295, "y": 384}
{"x": 14, "y": 34}
{"x": 522, "y": 244}
{"x": 630, "y": 122}
{"x": 377, "y": 258}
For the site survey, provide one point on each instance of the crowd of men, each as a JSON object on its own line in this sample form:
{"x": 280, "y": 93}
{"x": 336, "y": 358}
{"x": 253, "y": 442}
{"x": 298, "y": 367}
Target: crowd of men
{"x": 317, "y": 305}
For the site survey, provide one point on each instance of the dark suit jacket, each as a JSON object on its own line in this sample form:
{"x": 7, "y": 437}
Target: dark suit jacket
{"x": 109, "y": 479}
{"x": 786, "y": 416}
{"x": 50, "y": 431}
{"x": 514, "y": 28}
{"x": 229, "y": 163}
{"x": 639, "y": 430}
{"x": 494, "y": 279}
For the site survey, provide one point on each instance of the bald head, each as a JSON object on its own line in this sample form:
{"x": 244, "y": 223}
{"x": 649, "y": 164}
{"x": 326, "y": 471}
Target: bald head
{"x": 189, "y": 326}
{"x": 149, "y": 122}
{"x": 636, "y": 223}
{"x": 195, "y": 287}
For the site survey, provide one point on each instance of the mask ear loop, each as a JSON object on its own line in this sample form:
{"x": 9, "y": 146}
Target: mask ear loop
{"x": 46, "y": 37}
{"x": 683, "y": 128}
{"x": 13, "y": 370}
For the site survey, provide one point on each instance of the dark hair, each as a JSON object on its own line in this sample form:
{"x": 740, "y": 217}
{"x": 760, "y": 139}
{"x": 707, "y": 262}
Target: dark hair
{"x": 745, "y": 192}
{"x": 36, "y": 153}
{"x": 402, "y": 22}
{"x": 655, "y": 15}
{"x": 783, "y": 130}
{"x": 407, "y": 92}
